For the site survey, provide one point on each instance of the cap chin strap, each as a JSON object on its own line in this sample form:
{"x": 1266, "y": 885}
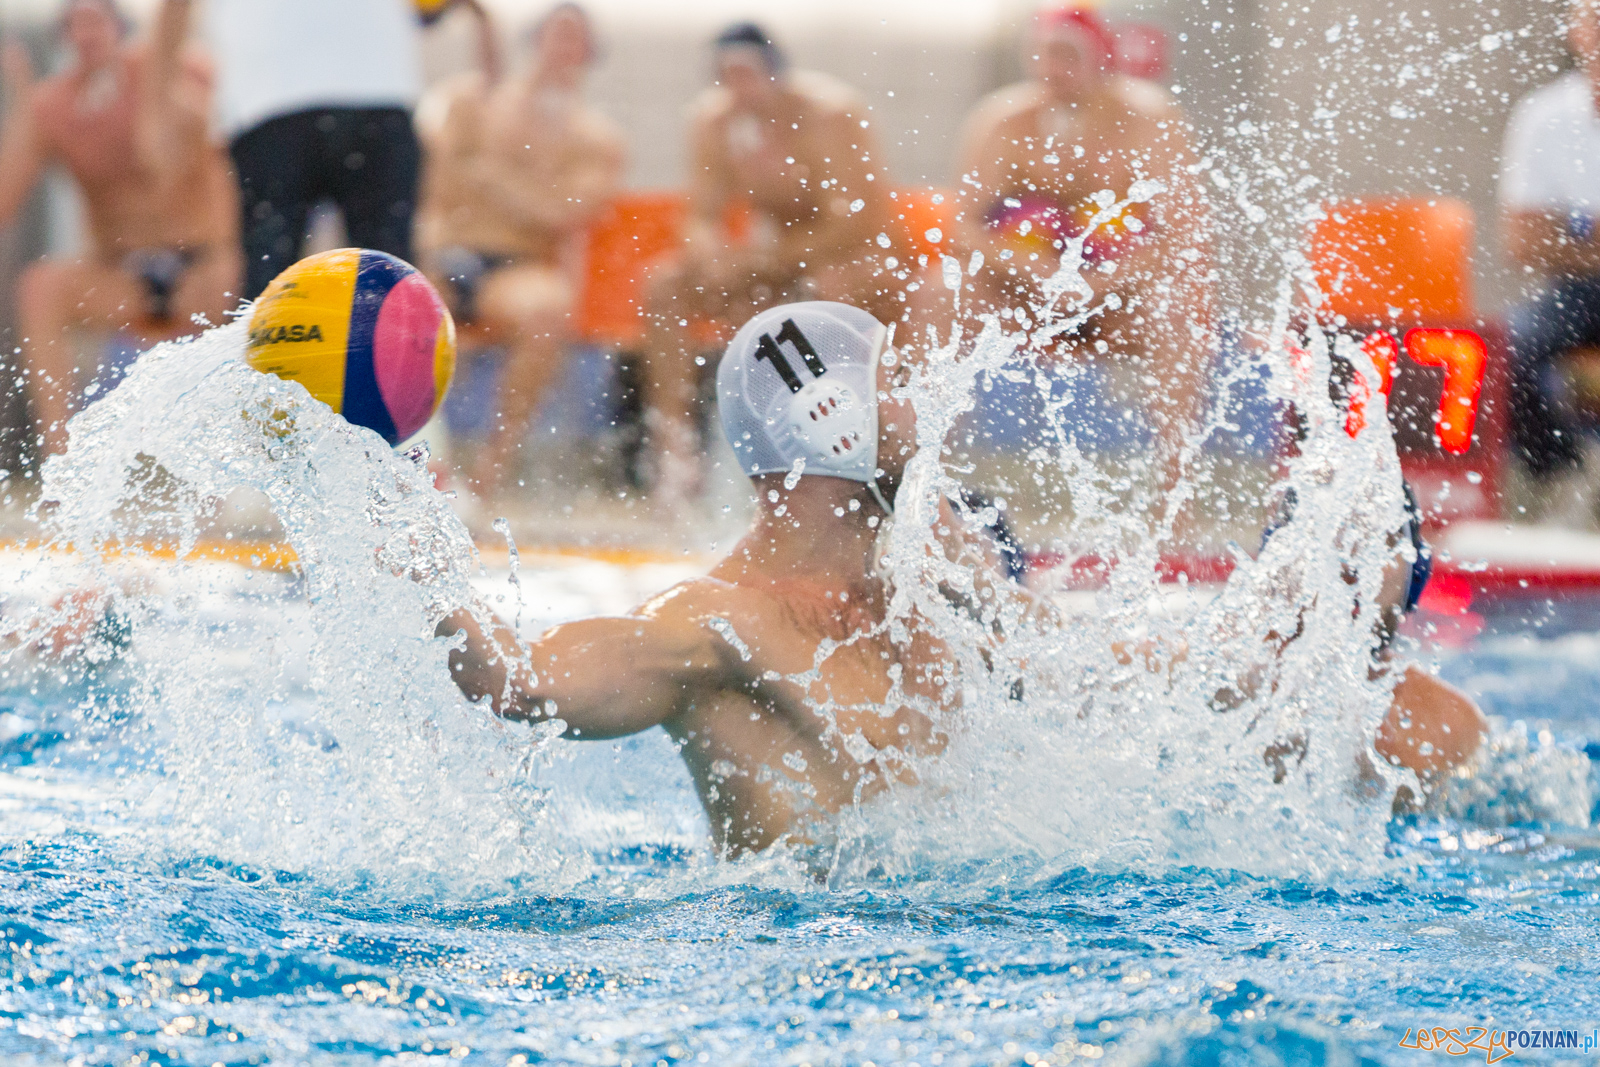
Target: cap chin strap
{"x": 885, "y": 341}
{"x": 877, "y": 494}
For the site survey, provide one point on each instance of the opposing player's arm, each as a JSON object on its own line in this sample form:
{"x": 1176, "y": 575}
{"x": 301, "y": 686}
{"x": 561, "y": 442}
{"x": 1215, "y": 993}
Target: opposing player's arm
{"x": 976, "y": 550}
{"x": 603, "y": 677}
{"x": 1431, "y": 727}
{"x": 22, "y": 157}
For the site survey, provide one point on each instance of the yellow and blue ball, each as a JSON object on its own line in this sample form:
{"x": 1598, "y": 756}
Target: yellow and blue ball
{"x": 364, "y": 332}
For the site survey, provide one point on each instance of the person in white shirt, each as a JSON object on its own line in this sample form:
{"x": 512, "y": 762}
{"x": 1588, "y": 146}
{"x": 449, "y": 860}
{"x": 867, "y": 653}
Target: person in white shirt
{"x": 1549, "y": 203}
{"x": 315, "y": 99}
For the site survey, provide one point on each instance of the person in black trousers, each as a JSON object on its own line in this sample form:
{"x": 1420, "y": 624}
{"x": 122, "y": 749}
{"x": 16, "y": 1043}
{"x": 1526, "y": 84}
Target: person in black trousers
{"x": 365, "y": 160}
{"x": 315, "y": 100}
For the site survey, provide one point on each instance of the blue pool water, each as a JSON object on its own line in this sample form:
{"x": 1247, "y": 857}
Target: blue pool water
{"x": 122, "y": 946}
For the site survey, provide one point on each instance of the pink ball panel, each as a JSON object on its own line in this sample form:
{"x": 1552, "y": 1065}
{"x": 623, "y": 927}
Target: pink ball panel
{"x": 403, "y": 345}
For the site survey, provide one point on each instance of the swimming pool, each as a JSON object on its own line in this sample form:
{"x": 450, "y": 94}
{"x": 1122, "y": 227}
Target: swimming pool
{"x": 124, "y": 946}
{"x": 256, "y": 823}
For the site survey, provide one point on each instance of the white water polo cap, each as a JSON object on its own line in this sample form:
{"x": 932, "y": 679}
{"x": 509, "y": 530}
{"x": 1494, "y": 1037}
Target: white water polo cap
{"x": 800, "y": 382}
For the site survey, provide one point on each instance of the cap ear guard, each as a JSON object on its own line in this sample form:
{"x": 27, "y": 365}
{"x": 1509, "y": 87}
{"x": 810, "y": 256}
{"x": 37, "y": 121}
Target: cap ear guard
{"x": 829, "y": 421}
{"x": 836, "y": 426}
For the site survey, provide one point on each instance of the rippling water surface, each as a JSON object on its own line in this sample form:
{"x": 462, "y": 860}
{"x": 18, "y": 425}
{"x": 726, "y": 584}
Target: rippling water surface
{"x": 121, "y": 946}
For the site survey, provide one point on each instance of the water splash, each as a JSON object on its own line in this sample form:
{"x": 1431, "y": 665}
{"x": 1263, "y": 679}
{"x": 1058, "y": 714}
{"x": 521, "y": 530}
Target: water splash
{"x": 1238, "y": 736}
{"x": 334, "y": 741}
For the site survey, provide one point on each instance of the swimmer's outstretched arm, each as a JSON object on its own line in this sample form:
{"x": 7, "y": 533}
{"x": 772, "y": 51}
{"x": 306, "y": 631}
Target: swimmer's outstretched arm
{"x": 602, "y": 677}
{"x": 1430, "y": 727}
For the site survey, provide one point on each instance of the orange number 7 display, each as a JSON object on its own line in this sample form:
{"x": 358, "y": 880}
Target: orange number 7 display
{"x": 1463, "y": 356}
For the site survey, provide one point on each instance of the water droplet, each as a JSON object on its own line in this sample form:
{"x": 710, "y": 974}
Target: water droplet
{"x": 952, "y": 272}
{"x": 1145, "y": 189}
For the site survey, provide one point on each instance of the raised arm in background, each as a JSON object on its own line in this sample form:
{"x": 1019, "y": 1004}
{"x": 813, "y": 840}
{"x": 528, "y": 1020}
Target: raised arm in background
{"x": 22, "y": 156}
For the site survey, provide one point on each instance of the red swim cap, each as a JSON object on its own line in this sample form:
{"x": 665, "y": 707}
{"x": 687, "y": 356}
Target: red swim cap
{"x": 1080, "y": 17}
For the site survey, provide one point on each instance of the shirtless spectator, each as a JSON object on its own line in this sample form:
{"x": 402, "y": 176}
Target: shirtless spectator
{"x": 1041, "y": 152}
{"x": 128, "y": 121}
{"x": 794, "y": 149}
{"x": 515, "y": 173}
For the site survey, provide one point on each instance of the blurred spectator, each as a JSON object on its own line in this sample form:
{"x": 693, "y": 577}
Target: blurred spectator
{"x": 794, "y": 148}
{"x": 315, "y": 99}
{"x": 516, "y": 171}
{"x": 1036, "y": 158}
{"x": 130, "y": 122}
{"x": 1549, "y": 198}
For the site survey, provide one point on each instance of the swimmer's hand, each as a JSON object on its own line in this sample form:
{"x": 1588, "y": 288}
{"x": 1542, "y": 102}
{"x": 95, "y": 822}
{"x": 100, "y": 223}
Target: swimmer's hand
{"x": 1431, "y": 727}
{"x": 603, "y": 677}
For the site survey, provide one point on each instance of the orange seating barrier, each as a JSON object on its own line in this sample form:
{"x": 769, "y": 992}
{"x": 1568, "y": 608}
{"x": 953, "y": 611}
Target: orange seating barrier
{"x": 639, "y": 228}
{"x": 1395, "y": 261}
{"x": 918, "y": 215}
{"x": 636, "y": 229}
{"x": 1370, "y": 256}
